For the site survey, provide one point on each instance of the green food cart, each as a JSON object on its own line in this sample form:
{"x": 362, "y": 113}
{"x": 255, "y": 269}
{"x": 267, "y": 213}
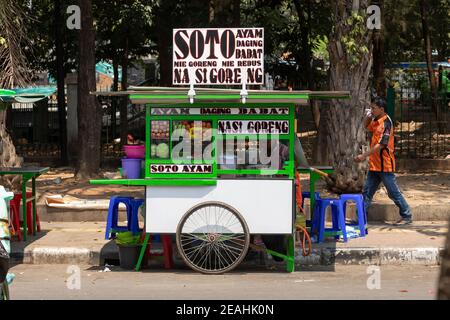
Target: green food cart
{"x": 218, "y": 170}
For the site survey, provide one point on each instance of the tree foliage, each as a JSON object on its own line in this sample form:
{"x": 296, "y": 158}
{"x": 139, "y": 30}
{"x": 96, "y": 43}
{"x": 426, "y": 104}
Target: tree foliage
{"x": 41, "y": 31}
{"x": 123, "y": 27}
{"x": 404, "y": 30}
{"x": 296, "y": 36}
{"x": 13, "y": 38}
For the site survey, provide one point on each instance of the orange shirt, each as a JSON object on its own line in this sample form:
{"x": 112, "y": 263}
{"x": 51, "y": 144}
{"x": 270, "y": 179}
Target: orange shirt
{"x": 382, "y": 133}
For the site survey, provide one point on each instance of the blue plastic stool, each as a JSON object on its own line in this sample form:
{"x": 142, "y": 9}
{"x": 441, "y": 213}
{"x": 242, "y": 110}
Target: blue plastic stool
{"x": 337, "y": 217}
{"x": 134, "y": 219}
{"x": 361, "y": 213}
{"x": 307, "y": 194}
{"x": 132, "y": 206}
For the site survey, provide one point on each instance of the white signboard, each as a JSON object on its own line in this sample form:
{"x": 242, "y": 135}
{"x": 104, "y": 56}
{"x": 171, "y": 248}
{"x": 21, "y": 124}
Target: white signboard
{"x": 266, "y": 205}
{"x": 253, "y": 127}
{"x": 218, "y": 56}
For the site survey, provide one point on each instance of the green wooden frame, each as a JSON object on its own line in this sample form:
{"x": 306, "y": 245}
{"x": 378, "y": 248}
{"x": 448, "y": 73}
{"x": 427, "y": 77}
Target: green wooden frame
{"x": 287, "y": 171}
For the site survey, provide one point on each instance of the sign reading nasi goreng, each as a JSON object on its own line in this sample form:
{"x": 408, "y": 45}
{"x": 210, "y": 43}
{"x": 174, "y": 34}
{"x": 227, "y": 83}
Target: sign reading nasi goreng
{"x": 253, "y": 127}
{"x": 218, "y": 56}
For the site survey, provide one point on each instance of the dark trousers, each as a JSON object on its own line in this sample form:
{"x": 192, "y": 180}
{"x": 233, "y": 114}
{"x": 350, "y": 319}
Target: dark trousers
{"x": 374, "y": 179}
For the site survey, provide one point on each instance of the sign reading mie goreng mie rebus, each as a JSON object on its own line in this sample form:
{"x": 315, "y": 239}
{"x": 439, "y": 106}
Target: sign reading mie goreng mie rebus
{"x": 218, "y": 56}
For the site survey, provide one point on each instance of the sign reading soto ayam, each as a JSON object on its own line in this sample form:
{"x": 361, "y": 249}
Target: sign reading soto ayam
{"x": 218, "y": 56}
{"x": 183, "y": 168}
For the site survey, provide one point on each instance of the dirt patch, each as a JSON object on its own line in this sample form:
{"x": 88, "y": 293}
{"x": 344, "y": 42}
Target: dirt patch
{"x": 63, "y": 182}
{"x": 418, "y": 188}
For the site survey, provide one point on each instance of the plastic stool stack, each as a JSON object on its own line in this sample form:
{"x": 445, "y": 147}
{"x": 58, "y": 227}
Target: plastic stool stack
{"x": 15, "y": 206}
{"x": 167, "y": 251}
{"x": 338, "y": 216}
{"x": 307, "y": 194}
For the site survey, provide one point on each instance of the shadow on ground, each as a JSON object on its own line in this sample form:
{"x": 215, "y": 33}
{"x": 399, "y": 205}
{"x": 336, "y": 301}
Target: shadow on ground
{"x": 254, "y": 262}
{"x": 17, "y": 255}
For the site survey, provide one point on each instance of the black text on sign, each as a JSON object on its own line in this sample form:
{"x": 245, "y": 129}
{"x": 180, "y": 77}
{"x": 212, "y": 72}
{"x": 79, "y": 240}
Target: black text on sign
{"x": 253, "y": 127}
{"x": 218, "y": 56}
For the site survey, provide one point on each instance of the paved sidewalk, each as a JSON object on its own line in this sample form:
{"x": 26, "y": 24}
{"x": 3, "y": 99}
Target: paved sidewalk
{"x": 426, "y": 192}
{"x": 84, "y": 243}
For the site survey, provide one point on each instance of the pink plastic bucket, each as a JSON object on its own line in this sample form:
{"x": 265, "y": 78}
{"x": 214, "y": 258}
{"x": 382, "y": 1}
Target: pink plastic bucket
{"x": 134, "y": 151}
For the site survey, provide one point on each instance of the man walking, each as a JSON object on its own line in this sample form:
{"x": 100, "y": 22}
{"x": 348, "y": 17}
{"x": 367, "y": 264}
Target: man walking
{"x": 382, "y": 160}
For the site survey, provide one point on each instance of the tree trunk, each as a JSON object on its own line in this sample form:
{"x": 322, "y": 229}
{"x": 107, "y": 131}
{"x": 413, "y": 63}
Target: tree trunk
{"x": 165, "y": 61}
{"x": 314, "y": 104}
{"x": 236, "y": 13}
{"x": 224, "y": 13}
{"x": 13, "y": 73}
{"x": 114, "y": 100}
{"x": 444, "y": 278}
{"x": 321, "y": 149}
{"x": 8, "y": 156}
{"x": 124, "y": 100}
{"x": 427, "y": 50}
{"x": 303, "y": 7}
{"x": 89, "y": 110}
{"x": 60, "y": 75}
{"x": 378, "y": 57}
{"x": 344, "y": 132}
{"x": 305, "y": 60}
{"x": 379, "y": 66}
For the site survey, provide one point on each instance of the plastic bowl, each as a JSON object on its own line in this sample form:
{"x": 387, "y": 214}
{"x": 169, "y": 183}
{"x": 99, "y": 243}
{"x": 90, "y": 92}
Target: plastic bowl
{"x": 134, "y": 151}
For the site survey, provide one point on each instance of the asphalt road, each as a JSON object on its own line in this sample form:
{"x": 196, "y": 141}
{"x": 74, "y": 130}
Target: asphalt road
{"x": 336, "y": 282}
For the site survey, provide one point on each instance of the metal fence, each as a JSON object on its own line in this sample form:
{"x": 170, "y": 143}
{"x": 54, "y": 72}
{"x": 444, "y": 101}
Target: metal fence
{"x": 111, "y": 129}
{"x": 419, "y": 134}
{"x": 422, "y": 132}
{"x": 35, "y": 130}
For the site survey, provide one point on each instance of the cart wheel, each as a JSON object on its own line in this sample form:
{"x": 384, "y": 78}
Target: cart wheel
{"x": 212, "y": 238}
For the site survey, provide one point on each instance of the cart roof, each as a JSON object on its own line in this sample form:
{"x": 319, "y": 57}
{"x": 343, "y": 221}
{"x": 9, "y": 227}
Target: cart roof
{"x": 173, "y": 95}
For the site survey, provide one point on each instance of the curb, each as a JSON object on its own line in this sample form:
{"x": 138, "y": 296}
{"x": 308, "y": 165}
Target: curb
{"x": 57, "y": 255}
{"x": 322, "y": 256}
{"x": 371, "y": 256}
{"x": 377, "y": 212}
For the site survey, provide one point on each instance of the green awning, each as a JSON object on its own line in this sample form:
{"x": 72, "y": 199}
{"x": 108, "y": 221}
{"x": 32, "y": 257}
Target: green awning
{"x": 161, "y": 95}
{"x": 26, "y": 95}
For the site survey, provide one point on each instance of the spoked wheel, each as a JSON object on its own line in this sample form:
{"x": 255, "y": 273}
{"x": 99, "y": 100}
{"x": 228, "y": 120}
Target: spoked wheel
{"x": 212, "y": 238}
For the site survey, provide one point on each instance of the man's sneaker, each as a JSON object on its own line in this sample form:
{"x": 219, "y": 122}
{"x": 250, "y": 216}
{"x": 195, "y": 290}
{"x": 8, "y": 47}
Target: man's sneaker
{"x": 403, "y": 221}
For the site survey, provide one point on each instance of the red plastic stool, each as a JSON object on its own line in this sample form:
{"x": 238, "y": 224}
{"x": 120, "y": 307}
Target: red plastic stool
{"x": 15, "y": 219}
{"x": 18, "y": 202}
{"x": 167, "y": 251}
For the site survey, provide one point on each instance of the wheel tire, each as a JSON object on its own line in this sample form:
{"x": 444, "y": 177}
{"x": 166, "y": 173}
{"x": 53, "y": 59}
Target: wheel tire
{"x": 214, "y": 243}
